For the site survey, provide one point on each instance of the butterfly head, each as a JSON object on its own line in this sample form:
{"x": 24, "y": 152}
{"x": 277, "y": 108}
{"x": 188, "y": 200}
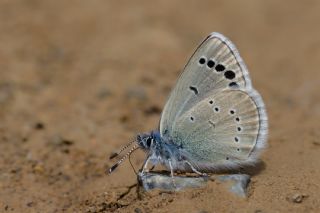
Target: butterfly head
{"x": 148, "y": 141}
{"x": 145, "y": 141}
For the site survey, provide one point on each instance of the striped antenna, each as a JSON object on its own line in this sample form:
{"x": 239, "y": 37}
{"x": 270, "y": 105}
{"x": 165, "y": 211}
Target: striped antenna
{"x": 112, "y": 168}
{"x": 113, "y": 155}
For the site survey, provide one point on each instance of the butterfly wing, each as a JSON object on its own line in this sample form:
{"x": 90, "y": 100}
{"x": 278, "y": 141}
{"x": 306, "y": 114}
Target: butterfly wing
{"x": 222, "y": 130}
{"x": 198, "y": 117}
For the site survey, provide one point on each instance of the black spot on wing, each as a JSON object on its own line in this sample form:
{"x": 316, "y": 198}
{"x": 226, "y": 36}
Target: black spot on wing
{"x": 194, "y": 89}
{"x": 220, "y": 68}
{"x": 229, "y": 74}
{"x": 202, "y": 60}
{"x": 210, "y": 64}
{"x": 233, "y": 85}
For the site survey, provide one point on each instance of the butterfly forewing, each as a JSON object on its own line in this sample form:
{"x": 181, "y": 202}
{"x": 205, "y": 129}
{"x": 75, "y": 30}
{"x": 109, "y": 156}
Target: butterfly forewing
{"x": 215, "y": 65}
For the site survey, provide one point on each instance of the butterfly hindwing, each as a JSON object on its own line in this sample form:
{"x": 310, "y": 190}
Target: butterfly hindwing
{"x": 222, "y": 130}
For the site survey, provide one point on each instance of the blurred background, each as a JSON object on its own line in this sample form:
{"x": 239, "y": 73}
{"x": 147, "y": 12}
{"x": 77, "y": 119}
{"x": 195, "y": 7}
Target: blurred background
{"x": 79, "y": 79}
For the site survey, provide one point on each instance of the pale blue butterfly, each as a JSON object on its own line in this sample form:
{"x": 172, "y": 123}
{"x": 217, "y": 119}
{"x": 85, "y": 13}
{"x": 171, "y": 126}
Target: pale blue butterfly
{"x": 213, "y": 119}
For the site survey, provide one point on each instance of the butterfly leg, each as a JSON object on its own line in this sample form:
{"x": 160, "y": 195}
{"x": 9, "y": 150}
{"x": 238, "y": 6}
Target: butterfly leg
{"x": 195, "y": 170}
{"x": 145, "y": 165}
{"x": 172, "y": 176}
{"x": 152, "y": 167}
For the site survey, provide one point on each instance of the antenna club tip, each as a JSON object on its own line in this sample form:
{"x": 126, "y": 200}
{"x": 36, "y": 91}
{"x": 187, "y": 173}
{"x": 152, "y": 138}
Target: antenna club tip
{"x": 112, "y": 168}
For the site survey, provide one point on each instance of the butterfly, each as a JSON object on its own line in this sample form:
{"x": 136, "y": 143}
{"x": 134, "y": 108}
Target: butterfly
{"x": 213, "y": 119}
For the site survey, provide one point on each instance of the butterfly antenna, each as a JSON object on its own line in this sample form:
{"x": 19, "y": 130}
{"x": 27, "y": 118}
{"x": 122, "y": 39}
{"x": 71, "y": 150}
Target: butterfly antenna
{"x": 122, "y": 159}
{"x": 113, "y": 155}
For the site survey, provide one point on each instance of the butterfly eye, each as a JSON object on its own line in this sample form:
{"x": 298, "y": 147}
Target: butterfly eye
{"x": 149, "y": 140}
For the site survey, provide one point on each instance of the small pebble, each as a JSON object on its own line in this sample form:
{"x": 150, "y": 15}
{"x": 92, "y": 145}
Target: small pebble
{"x": 298, "y": 198}
{"x": 58, "y": 140}
{"x": 39, "y": 126}
{"x": 30, "y": 204}
{"x": 91, "y": 209}
{"x": 138, "y": 210}
{"x": 38, "y": 169}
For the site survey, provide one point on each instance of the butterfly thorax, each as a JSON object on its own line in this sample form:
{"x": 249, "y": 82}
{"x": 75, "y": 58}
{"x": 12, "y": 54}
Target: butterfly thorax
{"x": 160, "y": 149}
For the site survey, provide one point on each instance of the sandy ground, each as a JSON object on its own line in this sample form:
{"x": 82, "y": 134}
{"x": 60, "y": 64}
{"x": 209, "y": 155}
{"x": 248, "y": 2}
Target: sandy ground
{"x": 79, "y": 79}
